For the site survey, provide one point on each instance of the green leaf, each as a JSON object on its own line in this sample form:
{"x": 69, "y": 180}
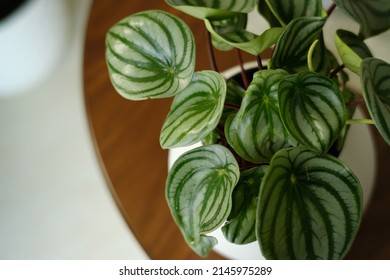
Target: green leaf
{"x": 375, "y": 81}
{"x": 245, "y": 40}
{"x": 310, "y": 56}
{"x": 212, "y": 9}
{"x": 312, "y": 109}
{"x": 310, "y": 207}
{"x": 240, "y": 227}
{"x": 226, "y": 26}
{"x": 294, "y": 43}
{"x": 352, "y": 50}
{"x": 266, "y": 12}
{"x": 256, "y": 132}
{"x": 372, "y": 15}
{"x": 323, "y": 60}
{"x": 195, "y": 112}
{"x": 198, "y": 191}
{"x": 150, "y": 55}
{"x": 287, "y": 10}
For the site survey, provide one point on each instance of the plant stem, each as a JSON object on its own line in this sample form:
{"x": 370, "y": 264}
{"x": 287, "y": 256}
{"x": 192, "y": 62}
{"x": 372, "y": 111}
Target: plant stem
{"x": 259, "y": 62}
{"x": 211, "y": 52}
{"x": 331, "y": 9}
{"x": 232, "y": 106}
{"x": 355, "y": 102}
{"x": 360, "y": 121}
{"x": 336, "y": 71}
{"x": 243, "y": 73}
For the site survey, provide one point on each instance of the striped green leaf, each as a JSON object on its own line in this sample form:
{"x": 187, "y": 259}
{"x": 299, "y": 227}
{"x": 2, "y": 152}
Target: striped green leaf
{"x": 312, "y": 109}
{"x": 240, "y": 227}
{"x": 150, "y": 55}
{"x": 294, "y": 43}
{"x": 198, "y": 190}
{"x": 195, "y": 112}
{"x": 309, "y": 207}
{"x": 287, "y": 10}
{"x": 256, "y": 132}
{"x": 243, "y": 39}
{"x": 372, "y": 15}
{"x": 212, "y": 9}
{"x": 352, "y": 49}
{"x": 267, "y": 13}
{"x": 375, "y": 81}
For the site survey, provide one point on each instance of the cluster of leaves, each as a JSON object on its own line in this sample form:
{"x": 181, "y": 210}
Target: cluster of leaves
{"x": 264, "y": 172}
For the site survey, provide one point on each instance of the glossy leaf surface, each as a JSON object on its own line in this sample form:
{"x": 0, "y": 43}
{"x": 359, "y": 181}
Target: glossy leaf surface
{"x": 309, "y": 207}
{"x": 212, "y": 9}
{"x": 375, "y": 80}
{"x": 294, "y": 43}
{"x": 372, "y": 15}
{"x": 245, "y": 40}
{"x": 240, "y": 227}
{"x": 256, "y": 132}
{"x": 267, "y": 13}
{"x": 195, "y": 111}
{"x": 150, "y": 55}
{"x": 287, "y": 10}
{"x": 312, "y": 109}
{"x": 352, "y": 49}
{"x": 199, "y": 188}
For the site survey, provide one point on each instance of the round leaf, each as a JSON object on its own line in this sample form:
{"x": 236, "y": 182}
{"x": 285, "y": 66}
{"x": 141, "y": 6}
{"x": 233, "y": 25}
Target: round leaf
{"x": 372, "y": 15}
{"x": 199, "y": 188}
{"x": 150, "y": 55}
{"x": 240, "y": 227}
{"x": 293, "y": 44}
{"x": 287, "y": 10}
{"x": 256, "y": 132}
{"x": 312, "y": 109}
{"x": 195, "y": 112}
{"x": 309, "y": 207}
{"x": 375, "y": 80}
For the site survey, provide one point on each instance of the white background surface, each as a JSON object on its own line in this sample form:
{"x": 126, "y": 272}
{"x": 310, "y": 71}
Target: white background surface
{"x": 54, "y": 202}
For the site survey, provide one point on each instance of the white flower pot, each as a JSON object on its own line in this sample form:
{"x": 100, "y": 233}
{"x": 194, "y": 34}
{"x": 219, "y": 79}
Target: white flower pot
{"x": 33, "y": 40}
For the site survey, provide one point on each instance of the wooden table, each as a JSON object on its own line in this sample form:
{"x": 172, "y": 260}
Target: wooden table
{"x": 126, "y": 137}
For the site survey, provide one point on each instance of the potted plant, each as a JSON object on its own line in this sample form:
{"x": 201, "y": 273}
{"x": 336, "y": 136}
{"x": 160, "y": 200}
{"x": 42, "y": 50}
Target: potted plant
{"x": 267, "y": 170}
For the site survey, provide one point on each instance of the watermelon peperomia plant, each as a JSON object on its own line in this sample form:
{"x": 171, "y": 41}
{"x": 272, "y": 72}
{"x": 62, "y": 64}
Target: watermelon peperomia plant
{"x": 268, "y": 170}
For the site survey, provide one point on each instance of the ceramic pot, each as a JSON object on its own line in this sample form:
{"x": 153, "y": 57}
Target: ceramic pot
{"x": 33, "y": 40}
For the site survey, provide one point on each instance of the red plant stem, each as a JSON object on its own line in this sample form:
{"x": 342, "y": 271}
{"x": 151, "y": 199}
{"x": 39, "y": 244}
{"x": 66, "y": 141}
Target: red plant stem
{"x": 355, "y": 103}
{"x": 331, "y": 9}
{"x": 211, "y": 52}
{"x": 336, "y": 71}
{"x": 232, "y": 106}
{"x": 243, "y": 73}
{"x": 259, "y": 62}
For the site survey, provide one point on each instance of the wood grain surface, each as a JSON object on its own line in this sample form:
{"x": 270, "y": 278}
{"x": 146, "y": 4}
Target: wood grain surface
{"x": 126, "y": 137}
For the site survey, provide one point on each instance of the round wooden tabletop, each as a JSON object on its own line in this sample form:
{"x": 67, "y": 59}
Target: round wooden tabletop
{"x": 126, "y": 136}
